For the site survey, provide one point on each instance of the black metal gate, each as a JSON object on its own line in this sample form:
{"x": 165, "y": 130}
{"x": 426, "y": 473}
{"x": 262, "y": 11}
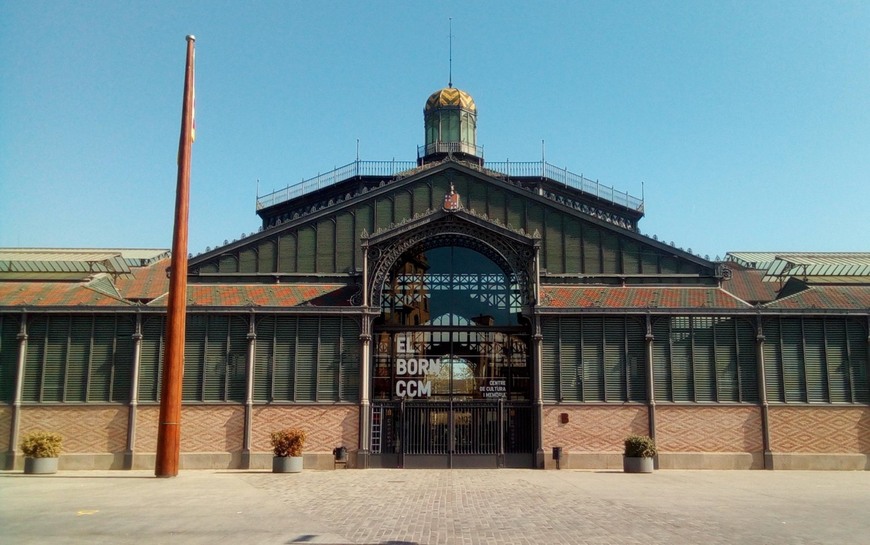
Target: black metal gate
{"x": 452, "y": 434}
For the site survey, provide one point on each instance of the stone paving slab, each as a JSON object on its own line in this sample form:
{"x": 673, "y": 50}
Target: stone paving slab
{"x": 467, "y": 507}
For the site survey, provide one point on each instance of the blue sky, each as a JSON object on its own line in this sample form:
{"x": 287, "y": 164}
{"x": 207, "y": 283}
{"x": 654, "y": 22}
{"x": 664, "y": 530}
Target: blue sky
{"x": 745, "y": 125}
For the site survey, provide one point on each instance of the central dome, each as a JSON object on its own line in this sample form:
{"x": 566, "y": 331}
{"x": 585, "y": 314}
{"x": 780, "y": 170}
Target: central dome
{"x": 450, "y": 97}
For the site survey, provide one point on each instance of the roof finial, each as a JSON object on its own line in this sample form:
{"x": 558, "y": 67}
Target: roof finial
{"x": 450, "y": 78}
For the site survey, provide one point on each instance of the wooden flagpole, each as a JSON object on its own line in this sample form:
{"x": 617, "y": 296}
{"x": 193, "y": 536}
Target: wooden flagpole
{"x": 169, "y": 429}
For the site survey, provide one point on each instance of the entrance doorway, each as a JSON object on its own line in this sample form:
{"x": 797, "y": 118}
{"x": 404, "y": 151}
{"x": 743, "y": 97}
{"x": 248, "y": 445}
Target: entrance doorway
{"x": 451, "y": 383}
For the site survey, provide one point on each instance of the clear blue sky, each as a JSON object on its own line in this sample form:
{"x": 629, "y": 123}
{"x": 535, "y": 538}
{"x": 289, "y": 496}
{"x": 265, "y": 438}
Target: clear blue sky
{"x": 748, "y": 123}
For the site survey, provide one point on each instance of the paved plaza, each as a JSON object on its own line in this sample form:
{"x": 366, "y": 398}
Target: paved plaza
{"x": 405, "y": 507}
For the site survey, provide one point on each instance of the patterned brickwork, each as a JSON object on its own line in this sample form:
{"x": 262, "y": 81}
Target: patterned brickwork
{"x": 5, "y": 427}
{"x": 325, "y": 427}
{"x": 85, "y": 429}
{"x": 593, "y": 429}
{"x": 709, "y": 429}
{"x": 203, "y": 429}
{"x": 820, "y": 430}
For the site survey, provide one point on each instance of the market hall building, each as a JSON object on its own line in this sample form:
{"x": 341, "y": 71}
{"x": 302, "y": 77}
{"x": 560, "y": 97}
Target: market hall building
{"x": 445, "y": 312}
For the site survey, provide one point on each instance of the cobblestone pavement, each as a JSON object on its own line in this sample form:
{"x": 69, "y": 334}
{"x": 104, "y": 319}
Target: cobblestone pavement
{"x": 573, "y": 507}
{"x": 463, "y": 507}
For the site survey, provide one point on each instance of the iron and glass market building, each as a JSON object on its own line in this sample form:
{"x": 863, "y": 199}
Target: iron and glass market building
{"x": 445, "y": 312}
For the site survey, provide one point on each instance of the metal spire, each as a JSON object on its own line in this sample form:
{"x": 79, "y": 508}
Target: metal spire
{"x": 450, "y": 78}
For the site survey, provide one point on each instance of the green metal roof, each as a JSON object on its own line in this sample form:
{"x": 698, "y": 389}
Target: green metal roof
{"x": 63, "y": 263}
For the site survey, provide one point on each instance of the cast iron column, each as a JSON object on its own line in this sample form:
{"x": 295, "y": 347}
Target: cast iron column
{"x": 249, "y": 393}
{"x": 762, "y": 396}
{"x": 130, "y": 453}
{"x": 14, "y": 429}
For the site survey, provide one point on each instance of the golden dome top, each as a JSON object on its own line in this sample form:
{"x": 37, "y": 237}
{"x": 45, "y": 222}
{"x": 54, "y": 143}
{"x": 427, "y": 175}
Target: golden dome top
{"x": 450, "y": 96}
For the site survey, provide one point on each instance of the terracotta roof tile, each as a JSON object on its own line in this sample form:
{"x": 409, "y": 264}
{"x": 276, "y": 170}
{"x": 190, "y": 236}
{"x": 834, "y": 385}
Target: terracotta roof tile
{"x": 50, "y": 294}
{"x": 146, "y": 283}
{"x": 835, "y": 297}
{"x": 265, "y": 295}
{"x": 747, "y": 284}
{"x": 639, "y": 297}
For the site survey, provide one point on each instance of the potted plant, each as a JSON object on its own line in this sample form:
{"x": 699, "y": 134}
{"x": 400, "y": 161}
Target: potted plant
{"x": 287, "y": 449}
{"x": 41, "y": 450}
{"x": 639, "y": 453}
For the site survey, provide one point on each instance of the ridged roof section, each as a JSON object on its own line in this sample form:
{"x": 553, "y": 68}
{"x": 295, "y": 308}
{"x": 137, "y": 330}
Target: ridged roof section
{"x": 748, "y": 285}
{"x": 145, "y": 283}
{"x": 57, "y": 294}
{"x": 639, "y": 298}
{"x": 779, "y": 266}
{"x": 265, "y": 295}
{"x": 72, "y": 263}
{"x": 826, "y": 298}
{"x": 450, "y": 97}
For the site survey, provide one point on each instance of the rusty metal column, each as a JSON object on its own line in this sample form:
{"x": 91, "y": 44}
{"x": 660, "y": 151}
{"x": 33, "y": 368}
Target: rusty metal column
{"x": 130, "y": 453}
{"x": 762, "y": 396}
{"x": 249, "y": 394}
{"x": 650, "y": 378}
{"x": 14, "y": 429}
{"x": 538, "y": 352}
{"x": 365, "y": 410}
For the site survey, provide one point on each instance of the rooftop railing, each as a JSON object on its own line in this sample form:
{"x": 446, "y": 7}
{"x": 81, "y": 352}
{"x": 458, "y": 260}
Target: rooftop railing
{"x": 529, "y": 169}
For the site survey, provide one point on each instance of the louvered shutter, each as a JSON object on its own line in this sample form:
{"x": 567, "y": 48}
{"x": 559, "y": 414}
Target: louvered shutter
{"x": 215, "y": 371}
{"x": 284, "y": 381}
{"x": 747, "y": 361}
{"x": 402, "y": 200}
{"x": 649, "y": 260}
{"x": 610, "y": 253}
{"x": 307, "y": 359}
{"x": 350, "y": 358}
{"x": 287, "y": 253}
{"x": 422, "y": 199}
{"x": 535, "y": 218}
{"x": 266, "y": 256}
{"x": 122, "y": 360}
{"x": 151, "y": 359}
{"x": 553, "y": 244}
{"x": 344, "y": 243}
{"x": 570, "y": 362}
{"x": 592, "y": 351}
{"x": 248, "y": 261}
{"x": 773, "y": 371}
{"x": 814, "y": 360}
{"x": 792, "y": 359}
{"x": 495, "y": 203}
{"x": 703, "y": 360}
{"x": 325, "y": 246}
{"x": 516, "y": 212}
{"x": 102, "y": 359}
{"x": 550, "y": 363}
{"x": 837, "y": 354}
{"x": 662, "y": 360}
{"x": 78, "y": 358}
{"x": 630, "y": 259}
{"x": 725, "y": 334}
{"x": 476, "y": 196}
{"x": 264, "y": 354}
{"x": 328, "y": 358}
{"x": 572, "y": 245}
{"x": 54, "y": 370}
{"x": 383, "y": 213}
{"x": 194, "y": 357}
{"x": 34, "y": 367}
{"x": 614, "y": 359}
{"x": 8, "y": 357}
{"x": 306, "y": 250}
{"x": 228, "y": 264}
{"x": 591, "y": 250}
{"x": 858, "y": 361}
{"x": 635, "y": 332}
{"x": 237, "y": 359}
{"x": 681, "y": 359}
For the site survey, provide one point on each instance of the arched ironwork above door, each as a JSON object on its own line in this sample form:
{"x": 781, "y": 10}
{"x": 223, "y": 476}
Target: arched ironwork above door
{"x": 515, "y": 253}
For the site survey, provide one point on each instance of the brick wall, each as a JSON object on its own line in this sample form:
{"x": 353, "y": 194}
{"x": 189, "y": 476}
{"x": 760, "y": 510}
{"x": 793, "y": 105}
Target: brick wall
{"x": 820, "y": 430}
{"x": 709, "y": 429}
{"x": 325, "y": 427}
{"x": 593, "y": 429}
{"x": 85, "y": 429}
{"x": 218, "y": 428}
{"x": 5, "y": 427}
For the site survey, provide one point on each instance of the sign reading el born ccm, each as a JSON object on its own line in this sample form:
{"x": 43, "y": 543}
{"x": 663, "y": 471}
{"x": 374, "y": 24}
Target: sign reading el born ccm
{"x": 414, "y": 374}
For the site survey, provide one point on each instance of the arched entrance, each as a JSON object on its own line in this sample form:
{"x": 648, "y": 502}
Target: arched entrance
{"x": 451, "y": 361}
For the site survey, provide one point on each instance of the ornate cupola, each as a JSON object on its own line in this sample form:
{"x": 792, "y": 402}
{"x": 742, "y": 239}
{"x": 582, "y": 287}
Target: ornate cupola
{"x": 450, "y": 117}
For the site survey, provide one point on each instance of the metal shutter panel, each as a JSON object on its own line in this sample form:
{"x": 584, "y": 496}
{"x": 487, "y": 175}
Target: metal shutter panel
{"x": 516, "y": 214}
{"x": 248, "y": 261}
{"x": 325, "y": 246}
{"x": 422, "y": 198}
{"x": 151, "y": 359}
{"x": 306, "y": 250}
{"x": 570, "y": 360}
{"x": 553, "y": 243}
{"x": 37, "y": 331}
{"x": 572, "y": 245}
{"x": 837, "y": 360}
{"x": 703, "y": 359}
{"x": 681, "y": 359}
{"x": 814, "y": 359}
{"x": 727, "y": 383}
{"x": 591, "y": 250}
{"x": 858, "y": 361}
{"x": 215, "y": 369}
{"x": 237, "y": 363}
{"x": 102, "y": 359}
{"x": 287, "y": 253}
{"x": 635, "y": 333}
{"x": 122, "y": 365}
{"x": 306, "y": 360}
{"x": 284, "y": 369}
{"x": 9, "y": 326}
{"x": 383, "y": 213}
{"x": 350, "y": 359}
{"x": 747, "y": 361}
{"x": 194, "y": 357}
{"x": 266, "y": 255}
{"x": 791, "y": 337}
{"x": 78, "y": 358}
{"x": 344, "y": 242}
{"x": 614, "y": 359}
{"x": 263, "y": 359}
{"x": 662, "y": 360}
{"x": 592, "y": 335}
{"x": 550, "y": 362}
{"x": 54, "y": 369}
{"x": 328, "y": 358}
{"x": 402, "y": 205}
{"x": 773, "y": 375}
